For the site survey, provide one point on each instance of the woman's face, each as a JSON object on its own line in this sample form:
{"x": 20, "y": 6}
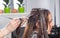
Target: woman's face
{"x": 50, "y": 24}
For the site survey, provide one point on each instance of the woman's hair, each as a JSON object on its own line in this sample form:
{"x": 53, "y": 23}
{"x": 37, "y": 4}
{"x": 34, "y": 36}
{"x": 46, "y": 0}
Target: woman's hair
{"x": 18, "y": 30}
{"x": 31, "y": 25}
{"x": 46, "y": 14}
{"x": 37, "y": 16}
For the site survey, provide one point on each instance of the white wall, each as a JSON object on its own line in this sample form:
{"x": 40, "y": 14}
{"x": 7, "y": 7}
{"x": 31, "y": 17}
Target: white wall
{"x": 57, "y": 13}
{"x": 38, "y": 4}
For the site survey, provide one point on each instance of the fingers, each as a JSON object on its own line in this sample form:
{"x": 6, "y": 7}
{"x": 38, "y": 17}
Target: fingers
{"x": 13, "y": 24}
{"x": 15, "y": 21}
{"x": 24, "y": 20}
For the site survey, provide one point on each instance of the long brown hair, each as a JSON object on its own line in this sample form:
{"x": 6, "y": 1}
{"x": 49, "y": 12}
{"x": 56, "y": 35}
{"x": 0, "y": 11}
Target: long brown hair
{"x": 48, "y": 19}
{"x": 46, "y": 14}
{"x": 31, "y": 22}
{"x": 37, "y": 16}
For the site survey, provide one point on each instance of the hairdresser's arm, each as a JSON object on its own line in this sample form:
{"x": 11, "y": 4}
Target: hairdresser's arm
{"x": 10, "y": 27}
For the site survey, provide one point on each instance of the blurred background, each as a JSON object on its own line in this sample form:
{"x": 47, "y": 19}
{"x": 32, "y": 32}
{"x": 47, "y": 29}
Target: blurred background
{"x": 52, "y": 5}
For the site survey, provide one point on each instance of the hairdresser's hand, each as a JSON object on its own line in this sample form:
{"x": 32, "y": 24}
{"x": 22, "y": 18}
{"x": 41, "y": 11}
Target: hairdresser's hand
{"x": 24, "y": 19}
{"x": 13, "y": 24}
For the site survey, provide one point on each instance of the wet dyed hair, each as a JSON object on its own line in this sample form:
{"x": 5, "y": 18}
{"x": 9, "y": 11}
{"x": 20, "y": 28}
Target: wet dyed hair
{"x": 46, "y": 14}
{"x": 39, "y": 16}
{"x": 36, "y": 16}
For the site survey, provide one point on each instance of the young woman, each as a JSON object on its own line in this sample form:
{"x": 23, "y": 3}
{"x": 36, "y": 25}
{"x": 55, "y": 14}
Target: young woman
{"x": 34, "y": 25}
